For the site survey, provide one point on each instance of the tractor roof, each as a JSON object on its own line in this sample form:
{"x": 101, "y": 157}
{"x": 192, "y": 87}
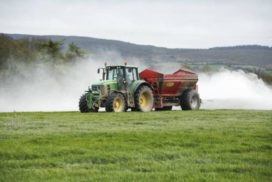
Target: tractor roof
{"x": 129, "y": 66}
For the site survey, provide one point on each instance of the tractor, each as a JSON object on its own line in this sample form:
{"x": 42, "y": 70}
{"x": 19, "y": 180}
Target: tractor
{"x": 119, "y": 89}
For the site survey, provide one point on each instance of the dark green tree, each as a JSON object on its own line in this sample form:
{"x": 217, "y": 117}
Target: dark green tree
{"x": 74, "y": 52}
{"x": 52, "y": 48}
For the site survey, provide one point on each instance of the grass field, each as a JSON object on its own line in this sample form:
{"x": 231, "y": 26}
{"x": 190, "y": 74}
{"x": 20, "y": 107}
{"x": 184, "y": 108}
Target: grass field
{"x": 216, "y": 145}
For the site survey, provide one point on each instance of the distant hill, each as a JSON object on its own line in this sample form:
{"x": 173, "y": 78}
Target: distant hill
{"x": 254, "y": 55}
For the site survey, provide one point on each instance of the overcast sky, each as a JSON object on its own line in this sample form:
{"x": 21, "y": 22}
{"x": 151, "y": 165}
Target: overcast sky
{"x": 167, "y": 23}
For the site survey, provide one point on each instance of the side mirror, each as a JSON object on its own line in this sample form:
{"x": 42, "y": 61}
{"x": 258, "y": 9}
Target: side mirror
{"x": 98, "y": 70}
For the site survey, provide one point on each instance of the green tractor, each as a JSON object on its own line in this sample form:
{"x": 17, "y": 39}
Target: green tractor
{"x": 119, "y": 89}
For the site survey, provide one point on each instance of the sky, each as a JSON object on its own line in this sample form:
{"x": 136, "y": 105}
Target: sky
{"x": 165, "y": 23}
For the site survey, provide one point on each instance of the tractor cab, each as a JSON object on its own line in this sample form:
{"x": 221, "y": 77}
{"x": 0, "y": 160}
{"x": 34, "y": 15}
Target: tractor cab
{"x": 123, "y": 75}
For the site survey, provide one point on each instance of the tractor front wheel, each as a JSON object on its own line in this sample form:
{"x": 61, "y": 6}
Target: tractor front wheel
{"x": 83, "y": 105}
{"x": 144, "y": 100}
{"x": 116, "y": 103}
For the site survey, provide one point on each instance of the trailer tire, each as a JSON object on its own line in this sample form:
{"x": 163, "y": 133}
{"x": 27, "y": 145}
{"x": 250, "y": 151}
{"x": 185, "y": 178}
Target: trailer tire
{"x": 83, "y": 105}
{"x": 190, "y": 100}
{"x": 116, "y": 102}
{"x": 165, "y": 108}
{"x": 144, "y": 100}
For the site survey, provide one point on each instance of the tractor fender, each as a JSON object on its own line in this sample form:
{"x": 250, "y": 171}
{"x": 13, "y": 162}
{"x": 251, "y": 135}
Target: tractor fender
{"x": 92, "y": 101}
{"x": 116, "y": 91}
{"x": 136, "y": 85}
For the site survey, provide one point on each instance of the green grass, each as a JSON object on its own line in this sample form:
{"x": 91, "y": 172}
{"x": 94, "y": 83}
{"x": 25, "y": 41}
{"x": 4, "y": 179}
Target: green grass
{"x": 218, "y": 145}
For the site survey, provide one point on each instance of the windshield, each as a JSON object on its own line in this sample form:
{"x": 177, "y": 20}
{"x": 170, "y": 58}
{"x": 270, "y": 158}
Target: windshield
{"x": 114, "y": 73}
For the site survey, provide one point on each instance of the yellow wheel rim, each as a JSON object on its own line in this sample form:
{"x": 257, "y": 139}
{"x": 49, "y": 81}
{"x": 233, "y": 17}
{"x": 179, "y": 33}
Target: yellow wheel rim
{"x": 117, "y": 104}
{"x": 145, "y": 100}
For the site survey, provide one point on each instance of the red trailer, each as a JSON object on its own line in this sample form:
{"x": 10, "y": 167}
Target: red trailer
{"x": 179, "y": 88}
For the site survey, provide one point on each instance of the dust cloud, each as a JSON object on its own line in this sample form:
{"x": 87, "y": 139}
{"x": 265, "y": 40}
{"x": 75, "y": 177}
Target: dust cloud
{"x": 47, "y": 87}
{"x": 54, "y": 87}
{"x": 227, "y": 89}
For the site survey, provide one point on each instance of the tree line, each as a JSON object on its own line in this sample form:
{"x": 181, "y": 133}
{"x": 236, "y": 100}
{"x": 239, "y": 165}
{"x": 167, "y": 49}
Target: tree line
{"x": 29, "y": 50}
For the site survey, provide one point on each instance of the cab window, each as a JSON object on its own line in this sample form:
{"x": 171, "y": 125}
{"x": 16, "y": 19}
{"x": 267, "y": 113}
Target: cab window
{"x": 114, "y": 73}
{"x": 131, "y": 74}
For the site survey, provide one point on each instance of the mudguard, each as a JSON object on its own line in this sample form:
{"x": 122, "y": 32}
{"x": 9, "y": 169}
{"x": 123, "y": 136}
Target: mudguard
{"x": 136, "y": 84}
{"x": 92, "y": 99}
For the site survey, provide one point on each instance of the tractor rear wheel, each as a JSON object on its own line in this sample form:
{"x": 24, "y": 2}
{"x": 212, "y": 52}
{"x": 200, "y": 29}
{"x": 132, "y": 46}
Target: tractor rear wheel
{"x": 83, "y": 105}
{"x": 190, "y": 100}
{"x": 116, "y": 102}
{"x": 144, "y": 100}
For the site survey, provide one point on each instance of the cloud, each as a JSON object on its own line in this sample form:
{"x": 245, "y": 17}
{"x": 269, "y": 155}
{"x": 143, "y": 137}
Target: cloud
{"x": 171, "y": 23}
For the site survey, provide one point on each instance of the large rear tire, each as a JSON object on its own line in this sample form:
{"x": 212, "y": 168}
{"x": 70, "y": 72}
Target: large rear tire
{"x": 144, "y": 100}
{"x": 116, "y": 102}
{"x": 83, "y": 105}
{"x": 190, "y": 100}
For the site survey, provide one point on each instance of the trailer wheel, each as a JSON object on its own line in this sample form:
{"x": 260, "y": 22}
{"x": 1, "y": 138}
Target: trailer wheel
{"x": 190, "y": 100}
{"x": 144, "y": 100}
{"x": 116, "y": 102}
{"x": 83, "y": 105}
{"x": 165, "y": 108}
